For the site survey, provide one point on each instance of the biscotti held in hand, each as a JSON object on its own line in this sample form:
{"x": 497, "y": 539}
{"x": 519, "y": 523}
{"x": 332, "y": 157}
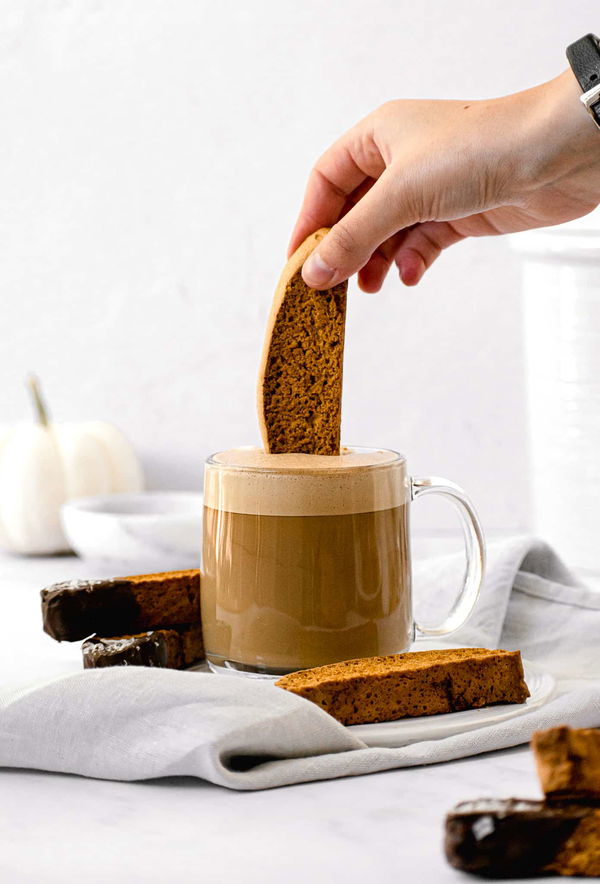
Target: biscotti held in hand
{"x": 300, "y": 377}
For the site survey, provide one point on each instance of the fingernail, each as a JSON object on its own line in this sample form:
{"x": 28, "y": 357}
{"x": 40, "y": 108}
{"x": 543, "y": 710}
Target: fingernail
{"x": 316, "y": 272}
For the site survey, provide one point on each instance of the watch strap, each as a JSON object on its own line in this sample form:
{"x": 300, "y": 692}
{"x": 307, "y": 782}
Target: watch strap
{"x": 584, "y": 57}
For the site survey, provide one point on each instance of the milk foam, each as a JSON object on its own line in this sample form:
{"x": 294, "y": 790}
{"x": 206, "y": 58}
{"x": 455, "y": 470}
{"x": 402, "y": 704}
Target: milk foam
{"x": 247, "y": 480}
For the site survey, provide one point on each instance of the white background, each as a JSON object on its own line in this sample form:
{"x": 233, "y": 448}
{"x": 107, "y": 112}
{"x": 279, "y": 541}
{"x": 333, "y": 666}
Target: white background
{"x": 152, "y": 160}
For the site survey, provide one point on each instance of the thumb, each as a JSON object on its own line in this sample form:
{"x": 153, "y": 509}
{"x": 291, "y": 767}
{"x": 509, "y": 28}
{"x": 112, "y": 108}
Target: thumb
{"x": 380, "y": 213}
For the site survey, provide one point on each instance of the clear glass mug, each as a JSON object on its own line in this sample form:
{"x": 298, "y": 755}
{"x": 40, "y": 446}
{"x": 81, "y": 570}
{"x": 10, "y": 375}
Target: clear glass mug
{"x": 306, "y": 559}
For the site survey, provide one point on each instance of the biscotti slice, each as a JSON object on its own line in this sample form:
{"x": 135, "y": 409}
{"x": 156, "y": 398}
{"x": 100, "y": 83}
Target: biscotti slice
{"x": 121, "y": 606}
{"x": 568, "y": 763}
{"x": 300, "y": 376}
{"x": 511, "y": 838}
{"x": 411, "y": 684}
{"x": 173, "y": 648}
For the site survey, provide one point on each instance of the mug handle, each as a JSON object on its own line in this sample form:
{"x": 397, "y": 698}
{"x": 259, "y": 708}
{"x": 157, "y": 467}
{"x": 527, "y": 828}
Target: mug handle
{"x": 474, "y": 551}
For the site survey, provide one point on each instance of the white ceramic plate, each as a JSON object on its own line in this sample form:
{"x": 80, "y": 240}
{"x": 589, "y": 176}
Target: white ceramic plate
{"x": 393, "y": 734}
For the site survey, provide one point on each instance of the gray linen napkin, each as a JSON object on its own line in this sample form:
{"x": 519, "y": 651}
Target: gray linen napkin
{"x": 135, "y": 723}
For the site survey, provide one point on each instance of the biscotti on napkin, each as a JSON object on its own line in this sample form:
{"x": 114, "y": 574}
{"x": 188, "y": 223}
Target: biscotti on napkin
{"x": 140, "y": 620}
{"x": 412, "y": 684}
{"x": 568, "y": 762}
{"x": 300, "y": 377}
{"x": 514, "y": 838}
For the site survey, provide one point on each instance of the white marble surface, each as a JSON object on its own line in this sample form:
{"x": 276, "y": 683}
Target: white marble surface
{"x": 379, "y": 828}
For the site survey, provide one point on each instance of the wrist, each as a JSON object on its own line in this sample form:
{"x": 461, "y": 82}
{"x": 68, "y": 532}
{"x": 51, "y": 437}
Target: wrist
{"x": 575, "y": 122}
{"x": 559, "y": 139}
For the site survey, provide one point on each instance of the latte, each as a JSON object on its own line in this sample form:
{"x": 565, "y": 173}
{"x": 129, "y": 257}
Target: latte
{"x": 306, "y": 559}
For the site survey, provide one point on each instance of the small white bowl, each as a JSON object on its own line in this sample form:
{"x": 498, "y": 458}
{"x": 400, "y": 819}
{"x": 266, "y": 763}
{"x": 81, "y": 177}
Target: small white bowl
{"x": 151, "y": 530}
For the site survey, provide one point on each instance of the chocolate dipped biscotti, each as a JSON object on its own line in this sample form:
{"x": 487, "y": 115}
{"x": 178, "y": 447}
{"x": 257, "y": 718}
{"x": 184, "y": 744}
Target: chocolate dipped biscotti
{"x": 175, "y": 648}
{"x": 510, "y": 838}
{"x": 121, "y": 606}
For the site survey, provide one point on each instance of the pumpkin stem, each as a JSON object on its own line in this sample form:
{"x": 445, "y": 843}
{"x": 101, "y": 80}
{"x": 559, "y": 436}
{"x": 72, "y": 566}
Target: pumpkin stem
{"x": 39, "y": 403}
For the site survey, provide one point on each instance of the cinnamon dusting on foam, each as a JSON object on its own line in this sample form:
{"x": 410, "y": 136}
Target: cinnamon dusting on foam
{"x": 248, "y": 480}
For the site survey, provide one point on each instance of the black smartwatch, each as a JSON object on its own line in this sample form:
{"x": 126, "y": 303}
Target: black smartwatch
{"x": 584, "y": 58}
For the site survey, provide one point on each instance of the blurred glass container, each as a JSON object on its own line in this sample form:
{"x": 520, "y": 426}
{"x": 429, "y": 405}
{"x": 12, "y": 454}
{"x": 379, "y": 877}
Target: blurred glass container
{"x": 561, "y": 297}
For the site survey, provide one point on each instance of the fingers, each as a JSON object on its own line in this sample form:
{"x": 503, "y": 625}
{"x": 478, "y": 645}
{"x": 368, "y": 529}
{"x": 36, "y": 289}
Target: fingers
{"x": 329, "y": 185}
{"x": 374, "y": 214}
{"x": 321, "y": 207}
{"x": 413, "y": 250}
{"x": 381, "y": 212}
{"x": 356, "y": 195}
{"x": 421, "y": 246}
{"x": 338, "y": 174}
{"x": 372, "y": 275}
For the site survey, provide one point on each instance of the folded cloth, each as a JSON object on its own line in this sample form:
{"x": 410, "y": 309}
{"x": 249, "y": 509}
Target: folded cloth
{"x": 136, "y": 723}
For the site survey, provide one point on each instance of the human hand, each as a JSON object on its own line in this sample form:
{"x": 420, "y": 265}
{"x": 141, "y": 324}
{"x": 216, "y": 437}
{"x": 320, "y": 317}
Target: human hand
{"x": 414, "y": 177}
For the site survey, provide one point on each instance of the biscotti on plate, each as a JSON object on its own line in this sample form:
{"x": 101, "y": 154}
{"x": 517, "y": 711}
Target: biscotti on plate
{"x": 412, "y": 684}
{"x": 568, "y": 762}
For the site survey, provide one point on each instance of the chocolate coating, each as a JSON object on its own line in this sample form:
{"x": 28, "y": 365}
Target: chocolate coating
{"x": 510, "y": 838}
{"x": 124, "y": 605}
{"x": 171, "y": 648}
{"x": 73, "y": 611}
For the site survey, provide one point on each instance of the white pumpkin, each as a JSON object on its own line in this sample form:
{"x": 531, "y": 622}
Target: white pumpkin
{"x": 44, "y": 464}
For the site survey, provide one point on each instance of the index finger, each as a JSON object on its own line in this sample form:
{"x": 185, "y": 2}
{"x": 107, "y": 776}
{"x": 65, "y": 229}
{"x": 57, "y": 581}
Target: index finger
{"x": 334, "y": 177}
